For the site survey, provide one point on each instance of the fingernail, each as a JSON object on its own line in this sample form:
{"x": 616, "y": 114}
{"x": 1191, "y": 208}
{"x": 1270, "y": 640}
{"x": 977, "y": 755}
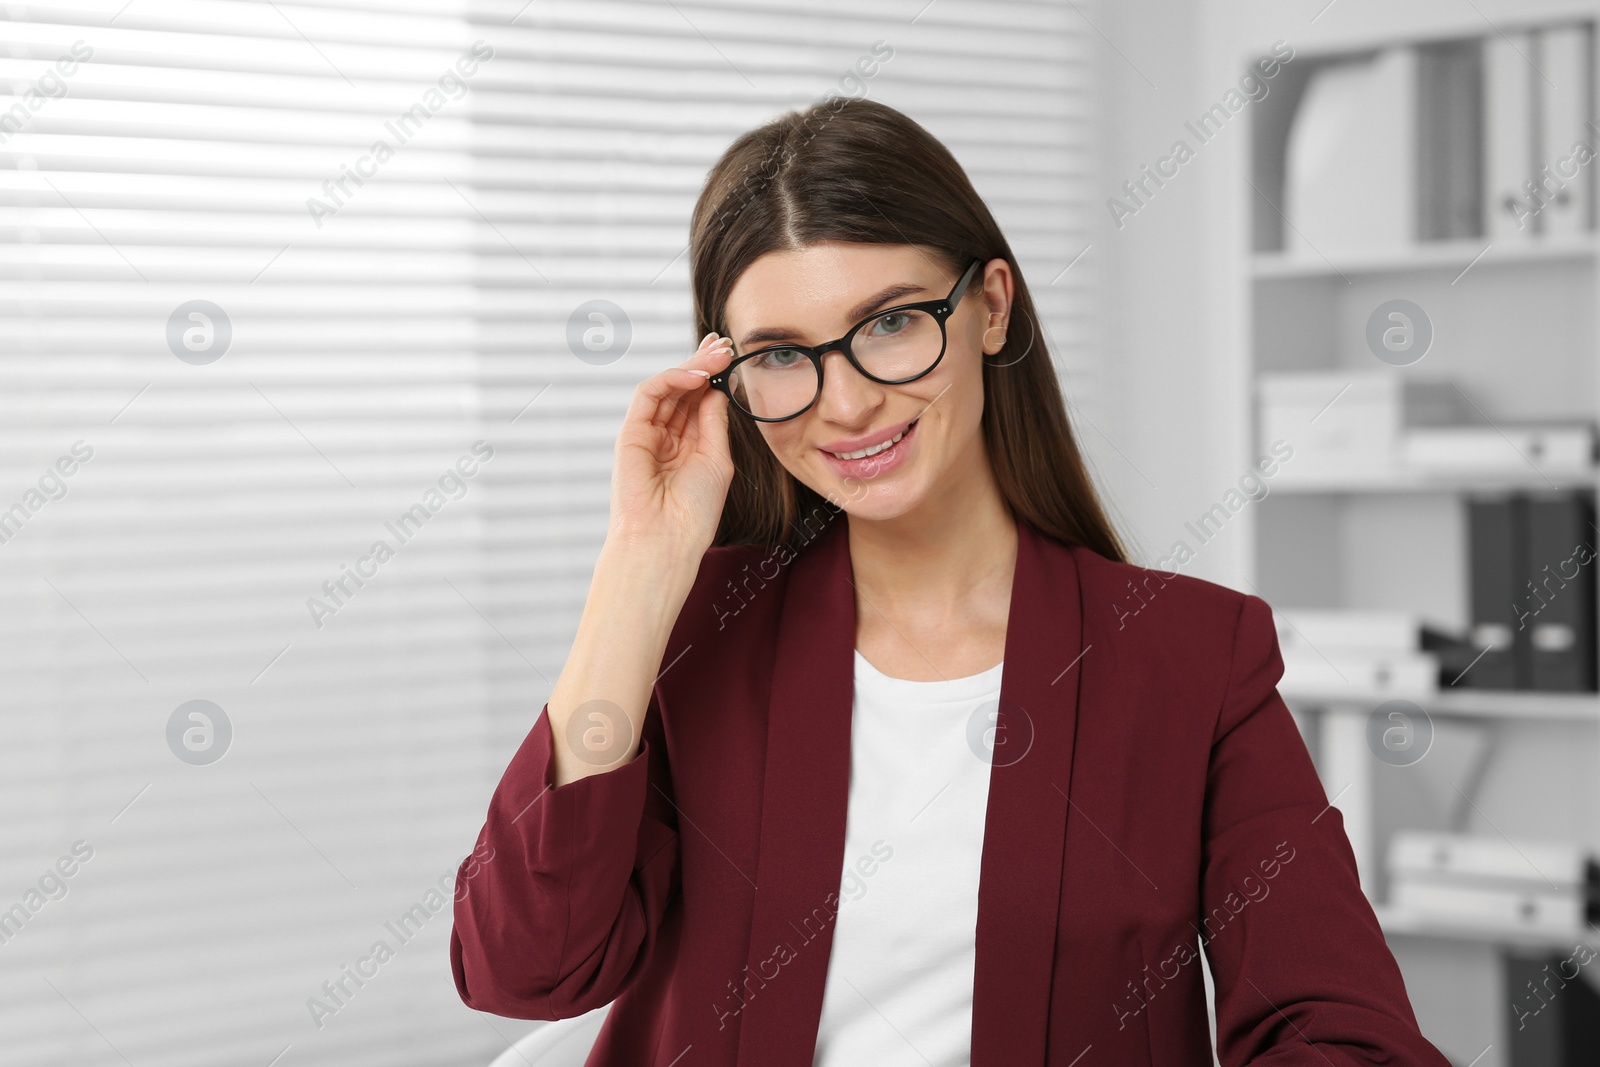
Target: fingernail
{"x": 697, "y": 370}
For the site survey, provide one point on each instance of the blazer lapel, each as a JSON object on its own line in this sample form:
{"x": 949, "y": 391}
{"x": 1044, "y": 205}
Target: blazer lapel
{"x": 1025, "y": 828}
{"x": 805, "y": 802}
{"x": 803, "y": 807}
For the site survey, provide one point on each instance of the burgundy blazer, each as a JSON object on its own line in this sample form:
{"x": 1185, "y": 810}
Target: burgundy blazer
{"x": 1150, "y": 793}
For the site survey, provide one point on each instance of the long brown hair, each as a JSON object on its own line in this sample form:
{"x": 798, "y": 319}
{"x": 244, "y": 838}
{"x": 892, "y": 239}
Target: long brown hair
{"x": 852, "y": 169}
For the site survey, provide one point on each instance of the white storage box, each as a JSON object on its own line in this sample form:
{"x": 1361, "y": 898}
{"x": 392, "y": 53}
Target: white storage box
{"x": 1344, "y": 674}
{"x": 1341, "y": 424}
{"x": 1310, "y": 629}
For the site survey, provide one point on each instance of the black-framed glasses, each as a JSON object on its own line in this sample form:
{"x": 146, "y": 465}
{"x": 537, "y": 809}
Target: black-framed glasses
{"x": 891, "y": 347}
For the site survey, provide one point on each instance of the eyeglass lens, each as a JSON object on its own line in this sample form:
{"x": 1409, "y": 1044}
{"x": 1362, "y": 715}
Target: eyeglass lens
{"x": 782, "y": 382}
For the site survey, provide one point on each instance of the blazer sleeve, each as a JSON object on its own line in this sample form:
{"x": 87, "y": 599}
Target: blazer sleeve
{"x": 1301, "y": 970}
{"x": 558, "y": 906}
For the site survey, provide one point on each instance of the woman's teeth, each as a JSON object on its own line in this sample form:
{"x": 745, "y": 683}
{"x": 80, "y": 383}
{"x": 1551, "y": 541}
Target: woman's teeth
{"x": 874, "y": 450}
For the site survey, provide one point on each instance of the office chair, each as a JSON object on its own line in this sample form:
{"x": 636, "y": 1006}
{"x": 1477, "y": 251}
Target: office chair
{"x": 563, "y": 1043}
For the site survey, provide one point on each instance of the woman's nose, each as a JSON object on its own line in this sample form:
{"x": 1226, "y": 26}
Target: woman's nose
{"x": 847, "y": 394}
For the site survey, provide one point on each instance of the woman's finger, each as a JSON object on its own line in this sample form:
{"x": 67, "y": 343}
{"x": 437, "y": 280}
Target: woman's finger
{"x": 652, "y": 393}
{"x": 711, "y": 422}
{"x": 676, "y": 391}
{"x": 702, "y": 365}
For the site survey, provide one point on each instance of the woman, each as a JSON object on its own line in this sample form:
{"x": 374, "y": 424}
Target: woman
{"x": 872, "y": 747}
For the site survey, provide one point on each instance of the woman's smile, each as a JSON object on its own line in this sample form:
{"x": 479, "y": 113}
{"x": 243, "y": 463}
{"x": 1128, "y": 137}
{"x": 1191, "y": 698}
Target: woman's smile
{"x": 892, "y": 448}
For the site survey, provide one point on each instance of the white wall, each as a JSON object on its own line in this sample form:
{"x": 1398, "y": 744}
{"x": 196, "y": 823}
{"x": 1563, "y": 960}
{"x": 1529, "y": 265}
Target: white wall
{"x": 1177, "y": 437}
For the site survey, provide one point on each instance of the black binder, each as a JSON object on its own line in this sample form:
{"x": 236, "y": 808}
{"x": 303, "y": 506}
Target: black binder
{"x": 1555, "y": 1014}
{"x": 1532, "y": 567}
{"x": 1494, "y": 537}
{"x": 1557, "y": 592}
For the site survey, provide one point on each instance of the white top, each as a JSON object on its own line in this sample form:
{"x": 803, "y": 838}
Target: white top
{"x": 899, "y": 986}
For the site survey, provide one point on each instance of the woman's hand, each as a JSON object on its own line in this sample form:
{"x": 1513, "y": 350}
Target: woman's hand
{"x": 668, "y": 488}
{"x": 673, "y": 467}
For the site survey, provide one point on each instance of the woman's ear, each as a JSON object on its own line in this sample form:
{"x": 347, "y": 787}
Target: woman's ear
{"x": 997, "y": 292}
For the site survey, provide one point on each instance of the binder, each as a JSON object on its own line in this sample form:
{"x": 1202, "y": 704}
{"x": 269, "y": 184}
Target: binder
{"x": 1553, "y": 448}
{"x": 1450, "y": 198}
{"x": 1567, "y": 864}
{"x": 1532, "y": 590}
{"x": 1554, "y": 1014}
{"x": 1565, "y": 188}
{"x": 1557, "y": 592}
{"x": 1351, "y": 157}
{"x": 1495, "y": 529}
{"x": 1491, "y": 906}
{"x": 1493, "y": 883}
{"x": 1510, "y": 152}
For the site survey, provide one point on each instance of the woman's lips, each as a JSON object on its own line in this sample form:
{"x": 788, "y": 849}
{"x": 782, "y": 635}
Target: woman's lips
{"x": 877, "y": 464}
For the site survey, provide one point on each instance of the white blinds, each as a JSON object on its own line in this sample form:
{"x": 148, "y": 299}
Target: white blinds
{"x": 217, "y": 537}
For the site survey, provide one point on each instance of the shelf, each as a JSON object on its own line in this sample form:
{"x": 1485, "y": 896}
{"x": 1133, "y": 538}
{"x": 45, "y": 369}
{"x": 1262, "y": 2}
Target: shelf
{"x": 1399, "y": 923}
{"x": 1469, "y": 703}
{"x": 1404, "y": 481}
{"x": 1493, "y": 704}
{"x": 1441, "y": 255}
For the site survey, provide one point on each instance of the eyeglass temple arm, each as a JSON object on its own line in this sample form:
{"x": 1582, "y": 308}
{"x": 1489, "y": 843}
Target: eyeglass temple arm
{"x": 965, "y": 280}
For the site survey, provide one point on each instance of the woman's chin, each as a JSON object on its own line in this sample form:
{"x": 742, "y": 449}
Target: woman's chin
{"x": 873, "y": 503}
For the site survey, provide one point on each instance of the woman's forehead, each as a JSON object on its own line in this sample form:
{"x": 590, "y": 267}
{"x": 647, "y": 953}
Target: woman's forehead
{"x": 803, "y": 287}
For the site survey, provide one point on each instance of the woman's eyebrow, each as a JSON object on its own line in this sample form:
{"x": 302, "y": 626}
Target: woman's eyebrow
{"x": 856, "y": 314}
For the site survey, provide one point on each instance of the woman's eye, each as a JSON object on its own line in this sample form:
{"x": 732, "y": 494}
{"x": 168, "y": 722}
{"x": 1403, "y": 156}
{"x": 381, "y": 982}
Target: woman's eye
{"x": 890, "y": 323}
{"x": 779, "y": 358}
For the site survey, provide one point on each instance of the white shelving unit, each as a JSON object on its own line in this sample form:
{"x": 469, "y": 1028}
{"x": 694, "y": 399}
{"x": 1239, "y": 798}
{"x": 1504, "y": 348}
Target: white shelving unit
{"x": 1516, "y": 328}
